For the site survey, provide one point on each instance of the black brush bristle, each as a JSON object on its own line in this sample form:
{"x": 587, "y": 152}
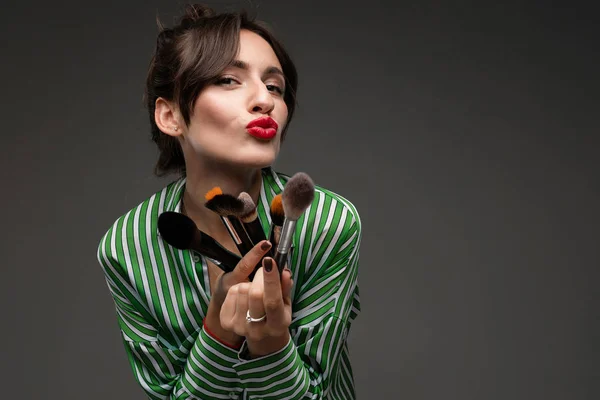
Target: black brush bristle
{"x": 297, "y": 195}
{"x": 176, "y": 229}
{"x": 225, "y": 205}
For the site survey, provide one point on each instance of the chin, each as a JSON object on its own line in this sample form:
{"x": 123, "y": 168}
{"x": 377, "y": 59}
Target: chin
{"x": 257, "y": 160}
{"x": 258, "y": 163}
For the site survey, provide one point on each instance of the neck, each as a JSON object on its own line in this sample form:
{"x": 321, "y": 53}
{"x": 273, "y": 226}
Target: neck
{"x": 231, "y": 181}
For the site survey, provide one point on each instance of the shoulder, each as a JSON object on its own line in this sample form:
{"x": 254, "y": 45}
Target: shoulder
{"x": 330, "y": 216}
{"x": 137, "y": 228}
{"x": 327, "y": 202}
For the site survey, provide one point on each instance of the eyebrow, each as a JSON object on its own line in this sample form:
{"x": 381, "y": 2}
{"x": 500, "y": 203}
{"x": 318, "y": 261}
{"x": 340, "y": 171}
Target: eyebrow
{"x": 269, "y": 71}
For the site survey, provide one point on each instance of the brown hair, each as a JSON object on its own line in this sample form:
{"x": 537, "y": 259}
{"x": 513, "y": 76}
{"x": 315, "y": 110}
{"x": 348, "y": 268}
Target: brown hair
{"x": 190, "y": 56}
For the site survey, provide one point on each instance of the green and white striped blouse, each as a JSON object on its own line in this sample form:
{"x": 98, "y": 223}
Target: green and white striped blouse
{"x": 161, "y": 296}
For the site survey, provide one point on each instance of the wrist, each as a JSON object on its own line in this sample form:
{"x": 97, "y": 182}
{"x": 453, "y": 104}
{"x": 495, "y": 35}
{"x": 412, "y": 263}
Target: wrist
{"x": 212, "y": 326}
{"x": 267, "y": 345}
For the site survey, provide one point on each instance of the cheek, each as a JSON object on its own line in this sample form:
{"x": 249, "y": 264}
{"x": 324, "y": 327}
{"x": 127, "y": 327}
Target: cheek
{"x": 214, "y": 110}
{"x": 282, "y": 114}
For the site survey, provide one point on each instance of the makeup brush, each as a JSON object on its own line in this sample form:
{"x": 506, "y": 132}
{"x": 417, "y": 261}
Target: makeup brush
{"x": 249, "y": 218}
{"x": 181, "y": 232}
{"x": 297, "y": 195}
{"x": 277, "y": 217}
{"x": 228, "y": 207}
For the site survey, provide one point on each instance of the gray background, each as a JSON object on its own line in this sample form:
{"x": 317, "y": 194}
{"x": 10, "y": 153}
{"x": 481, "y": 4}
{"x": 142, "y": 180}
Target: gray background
{"x": 466, "y": 135}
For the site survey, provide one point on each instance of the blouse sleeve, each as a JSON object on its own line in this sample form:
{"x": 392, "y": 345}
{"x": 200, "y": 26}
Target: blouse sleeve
{"x": 199, "y": 368}
{"x": 314, "y": 363}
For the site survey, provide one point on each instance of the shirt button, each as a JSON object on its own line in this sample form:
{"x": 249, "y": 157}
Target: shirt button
{"x": 233, "y": 395}
{"x": 196, "y": 258}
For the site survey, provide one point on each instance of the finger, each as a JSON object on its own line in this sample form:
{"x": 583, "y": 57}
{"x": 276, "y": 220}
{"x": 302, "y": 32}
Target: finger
{"x": 255, "y": 296}
{"x": 239, "y": 320}
{"x": 246, "y": 265}
{"x": 220, "y": 290}
{"x": 228, "y": 308}
{"x": 272, "y": 298}
{"x": 287, "y": 283}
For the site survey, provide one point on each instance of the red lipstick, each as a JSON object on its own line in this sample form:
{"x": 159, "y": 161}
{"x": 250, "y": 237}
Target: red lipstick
{"x": 262, "y": 128}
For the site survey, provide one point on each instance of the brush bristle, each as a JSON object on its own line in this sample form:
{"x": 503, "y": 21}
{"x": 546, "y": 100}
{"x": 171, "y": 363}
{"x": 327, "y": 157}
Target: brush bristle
{"x": 277, "y": 214}
{"x": 249, "y": 206}
{"x": 212, "y": 193}
{"x": 225, "y": 205}
{"x": 297, "y": 195}
{"x": 176, "y": 229}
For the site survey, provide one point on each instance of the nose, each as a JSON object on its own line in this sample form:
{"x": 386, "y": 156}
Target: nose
{"x": 262, "y": 100}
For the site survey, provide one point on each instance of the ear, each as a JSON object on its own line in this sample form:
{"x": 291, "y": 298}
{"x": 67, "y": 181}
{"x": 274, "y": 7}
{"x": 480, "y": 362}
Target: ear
{"x": 167, "y": 117}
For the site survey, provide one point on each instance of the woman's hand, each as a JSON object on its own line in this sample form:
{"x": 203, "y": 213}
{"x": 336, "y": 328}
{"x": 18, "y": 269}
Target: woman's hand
{"x": 269, "y": 295}
{"x": 241, "y": 272}
{"x": 223, "y": 285}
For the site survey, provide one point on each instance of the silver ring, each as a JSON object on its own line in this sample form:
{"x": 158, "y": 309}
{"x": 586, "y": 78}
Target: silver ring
{"x": 250, "y": 319}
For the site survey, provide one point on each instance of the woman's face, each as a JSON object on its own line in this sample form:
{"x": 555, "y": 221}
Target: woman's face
{"x": 252, "y": 87}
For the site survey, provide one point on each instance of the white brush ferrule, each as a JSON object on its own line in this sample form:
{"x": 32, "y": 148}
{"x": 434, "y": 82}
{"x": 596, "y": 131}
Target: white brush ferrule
{"x": 236, "y": 238}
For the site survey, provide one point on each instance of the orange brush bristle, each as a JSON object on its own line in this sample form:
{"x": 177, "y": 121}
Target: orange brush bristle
{"x": 277, "y": 214}
{"x": 277, "y": 205}
{"x": 213, "y": 192}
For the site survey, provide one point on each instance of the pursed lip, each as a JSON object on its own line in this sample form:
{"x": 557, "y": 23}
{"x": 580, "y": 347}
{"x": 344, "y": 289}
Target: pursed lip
{"x": 264, "y": 128}
{"x": 263, "y": 122}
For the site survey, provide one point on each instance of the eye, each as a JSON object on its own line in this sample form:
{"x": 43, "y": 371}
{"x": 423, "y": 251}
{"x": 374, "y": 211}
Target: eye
{"x": 226, "y": 81}
{"x": 275, "y": 88}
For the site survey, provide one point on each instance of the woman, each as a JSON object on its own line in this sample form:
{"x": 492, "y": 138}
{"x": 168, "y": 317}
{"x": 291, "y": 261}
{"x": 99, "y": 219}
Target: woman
{"x": 184, "y": 322}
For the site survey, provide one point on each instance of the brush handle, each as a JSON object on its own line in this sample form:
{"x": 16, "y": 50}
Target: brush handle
{"x": 274, "y": 234}
{"x": 236, "y": 230}
{"x": 255, "y": 231}
{"x": 209, "y": 247}
{"x": 281, "y": 260}
{"x": 256, "y": 227}
{"x": 256, "y": 235}
{"x": 238, "y": 234}
{"x": 246, "y": 244}
{"x": 236, "y": 238}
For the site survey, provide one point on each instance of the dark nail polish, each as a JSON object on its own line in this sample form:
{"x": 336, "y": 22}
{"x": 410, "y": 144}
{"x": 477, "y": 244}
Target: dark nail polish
{"x": 265, "y": 246}
{"x": 268, "y": 263}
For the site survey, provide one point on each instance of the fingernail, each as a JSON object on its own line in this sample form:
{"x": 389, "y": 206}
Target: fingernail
{"x": 268, "y": 264}
{"x": 266, "y": 245}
